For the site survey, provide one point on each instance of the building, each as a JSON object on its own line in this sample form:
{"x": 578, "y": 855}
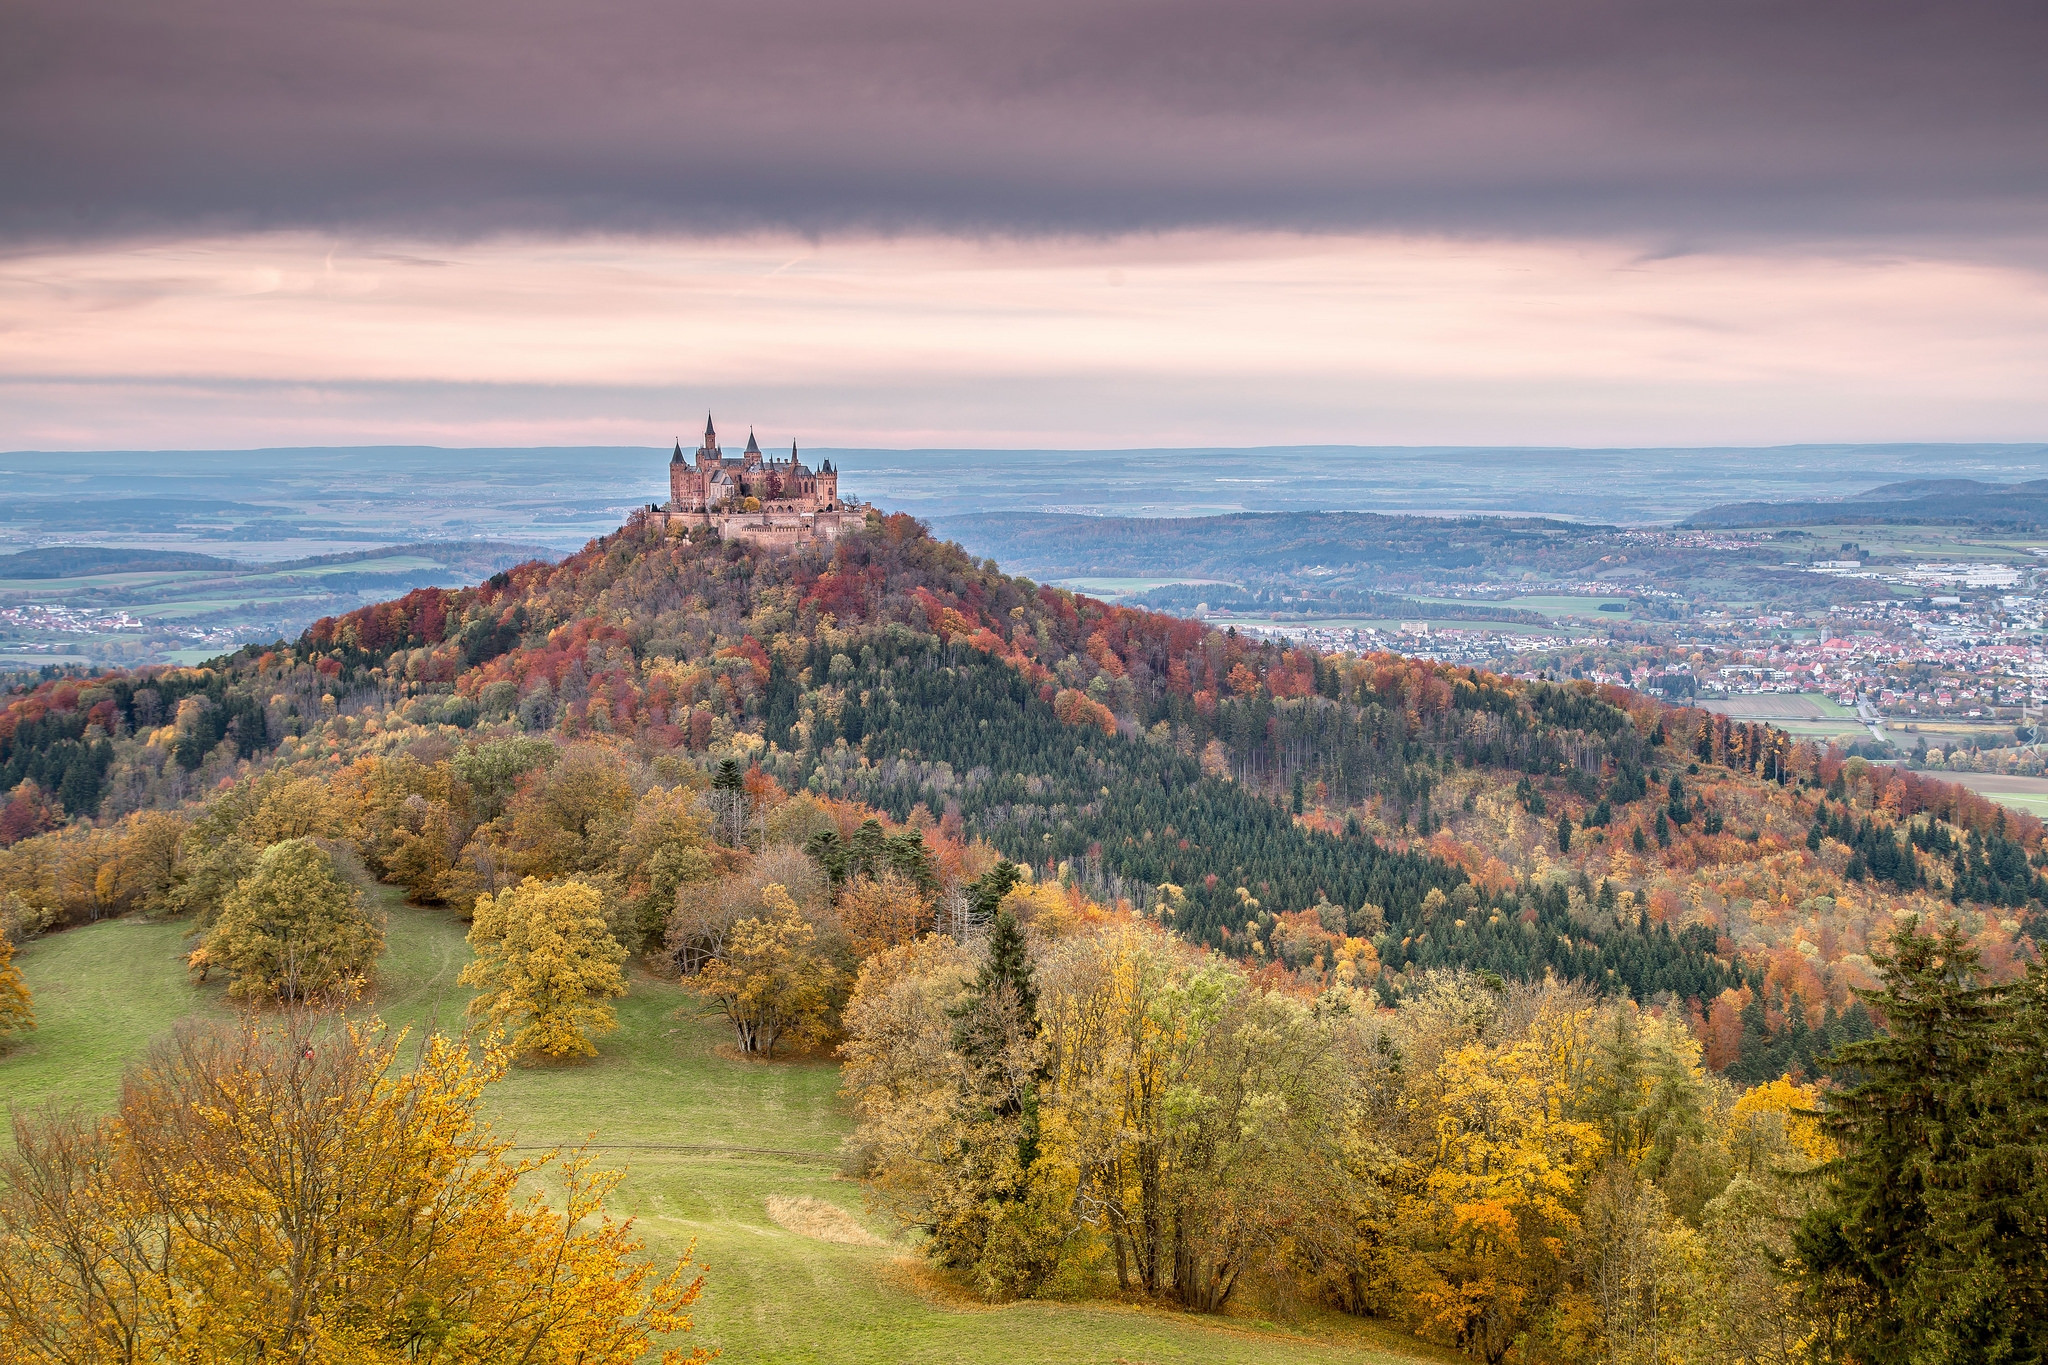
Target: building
{"x": 751, "y": 497}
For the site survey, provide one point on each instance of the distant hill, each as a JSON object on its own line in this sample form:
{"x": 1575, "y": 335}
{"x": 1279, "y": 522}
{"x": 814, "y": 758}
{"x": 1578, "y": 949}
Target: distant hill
{"x": 2020, "y": 506}
{"x": 78, "y": 561}
{"x": 1263, "y": 544}
{"x": 478, "y": 558}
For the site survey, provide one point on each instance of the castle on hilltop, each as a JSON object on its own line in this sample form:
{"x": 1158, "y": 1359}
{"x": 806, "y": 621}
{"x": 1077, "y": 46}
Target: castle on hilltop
{"x": 751, "y": 497}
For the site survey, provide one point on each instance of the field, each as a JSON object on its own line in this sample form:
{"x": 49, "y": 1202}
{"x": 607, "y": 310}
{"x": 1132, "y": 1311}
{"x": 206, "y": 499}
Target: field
{"x": 2029, "y": 794}
{"x": 1552, "y": 605}
{"x": 1109, "y": 589}
{"x": 707, "y": 1141}
{"x": 1810, "y": 715}
{"x": 1388, "y": 624}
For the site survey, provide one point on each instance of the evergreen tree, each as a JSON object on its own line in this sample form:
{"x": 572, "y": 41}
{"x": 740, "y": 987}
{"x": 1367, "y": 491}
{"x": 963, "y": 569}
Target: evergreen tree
{"x": 995, "y": 1031}
{"x": 1937, "y": 1214}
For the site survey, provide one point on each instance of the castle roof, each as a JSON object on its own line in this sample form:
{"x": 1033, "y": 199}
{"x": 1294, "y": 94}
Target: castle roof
{"x": 677, "y": 458}
{"x": 709, "y": 431}
{"x": 753, "y": 447}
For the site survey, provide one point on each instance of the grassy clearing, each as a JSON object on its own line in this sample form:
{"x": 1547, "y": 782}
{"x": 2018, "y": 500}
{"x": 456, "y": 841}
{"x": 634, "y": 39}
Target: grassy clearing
{"x": 1392, "y": 625}
{"x": 664, "y": 1102}
{"x": 1127, "y": 587}
{"x": 1778, "y": 707}
{"x": 1553, "y": 605}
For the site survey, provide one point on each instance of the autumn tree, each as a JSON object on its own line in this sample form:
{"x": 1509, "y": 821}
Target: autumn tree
{"x": 546, "y": 963}
{"x": 293, "y": 1191}
{"x": 16, "y": 1015}
{"x": 770, "y": 981}
{"x": 572, "y": 816}
{"x": 1496, "y": 1199}
{"x": 881, "y": 912}
{"x": 294, "y": 929}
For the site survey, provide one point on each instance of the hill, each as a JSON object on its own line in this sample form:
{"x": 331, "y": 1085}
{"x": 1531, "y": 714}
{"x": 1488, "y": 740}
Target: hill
{"x": 1288, "y": 799}
{"x": 78, "y": 561}
{"x": 1253, "y": 544}
{"x": 2015, "y": 506}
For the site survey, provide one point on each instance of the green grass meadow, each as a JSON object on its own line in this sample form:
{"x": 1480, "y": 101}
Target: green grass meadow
{"x": 705, "y": 1140}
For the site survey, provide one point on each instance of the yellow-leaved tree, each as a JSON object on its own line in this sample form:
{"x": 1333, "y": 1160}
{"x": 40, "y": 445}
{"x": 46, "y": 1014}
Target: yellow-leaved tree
{"x": 1493, "y": 1212}
{"x": 770, "y": 980}
{"x": 294, "y": 929}
{"x": 289, "y": 1191}
{"x": 546, "y": 962}
{"x": 15, "y": 1012}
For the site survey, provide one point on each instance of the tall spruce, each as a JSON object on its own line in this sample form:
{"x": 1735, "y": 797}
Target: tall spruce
{"x": 996, "y": 1023}
{"x": 1935, "y": 1227}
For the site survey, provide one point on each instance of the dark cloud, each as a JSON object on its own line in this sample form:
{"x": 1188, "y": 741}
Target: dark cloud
{"x": 1687, "y": 121}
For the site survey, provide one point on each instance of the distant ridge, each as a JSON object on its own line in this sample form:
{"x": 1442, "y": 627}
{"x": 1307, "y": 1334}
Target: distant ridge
{"x": 78, "y": 561}
{"x": 2020, "y": 506}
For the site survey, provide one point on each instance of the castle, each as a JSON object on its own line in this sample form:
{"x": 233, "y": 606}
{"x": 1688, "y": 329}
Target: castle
{"x": 776, "y": 503}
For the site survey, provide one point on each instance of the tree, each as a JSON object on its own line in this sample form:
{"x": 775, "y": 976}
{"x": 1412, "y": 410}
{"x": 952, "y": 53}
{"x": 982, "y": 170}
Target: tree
{"x": 546, "y": 960}
{"x": 1000, "y": 1012}
{"x": 879, "y": 913}
{"x": 1938, "y": 1216}
{"x": 27, "y": 812}
{"x": 293, "y": 930}
{"x": 1495, "y": 1202}
{"x": 291, "y": 1191}
{"x": 771, "y": 981}
{"x": 16, "y": 1015}
{"x": 1564, "y": 833}
{"x": 729, "y": 801}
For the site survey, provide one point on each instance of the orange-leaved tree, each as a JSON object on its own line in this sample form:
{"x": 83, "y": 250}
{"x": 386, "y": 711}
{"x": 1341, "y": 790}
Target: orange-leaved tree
{"x": 771, "y": 981}
{"x": 288, "y": 1191}
{"x": 15, "y": 1012}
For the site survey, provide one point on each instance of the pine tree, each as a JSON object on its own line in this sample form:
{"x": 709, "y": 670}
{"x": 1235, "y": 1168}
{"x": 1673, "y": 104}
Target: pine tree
{"x": 1937, "y": 1212}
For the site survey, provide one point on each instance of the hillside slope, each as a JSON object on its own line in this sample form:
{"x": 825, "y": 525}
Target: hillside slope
{"x": 1274, "y": 801}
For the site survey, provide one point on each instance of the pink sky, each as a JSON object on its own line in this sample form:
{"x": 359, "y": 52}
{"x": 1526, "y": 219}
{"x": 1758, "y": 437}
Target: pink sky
{"x": 1208, "y": 336}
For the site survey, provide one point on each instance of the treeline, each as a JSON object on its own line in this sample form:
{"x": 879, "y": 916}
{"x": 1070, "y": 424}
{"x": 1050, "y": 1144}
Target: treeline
{"x": 1516, "y": 1171}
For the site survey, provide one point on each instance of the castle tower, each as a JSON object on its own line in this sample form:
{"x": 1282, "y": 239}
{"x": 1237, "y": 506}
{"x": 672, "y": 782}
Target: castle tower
{"x": 709, "y": 454}
{"x": 679, "y": 480}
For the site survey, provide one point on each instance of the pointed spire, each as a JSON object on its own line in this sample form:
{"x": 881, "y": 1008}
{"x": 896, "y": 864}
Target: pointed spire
{"x": 710, "y": 433}
{"x": 677, "y": 457}
{"x": 753, "y": 446}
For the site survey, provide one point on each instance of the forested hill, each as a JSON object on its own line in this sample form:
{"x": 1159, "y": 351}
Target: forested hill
{"x": 1274, "y": 802}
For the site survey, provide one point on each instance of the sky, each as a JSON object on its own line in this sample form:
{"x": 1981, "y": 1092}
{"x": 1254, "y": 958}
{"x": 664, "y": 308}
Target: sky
{"x": 901, "y": 223}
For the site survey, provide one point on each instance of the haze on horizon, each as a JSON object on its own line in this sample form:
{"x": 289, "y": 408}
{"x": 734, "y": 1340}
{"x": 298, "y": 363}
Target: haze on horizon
{"x": 909, "y": 224}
